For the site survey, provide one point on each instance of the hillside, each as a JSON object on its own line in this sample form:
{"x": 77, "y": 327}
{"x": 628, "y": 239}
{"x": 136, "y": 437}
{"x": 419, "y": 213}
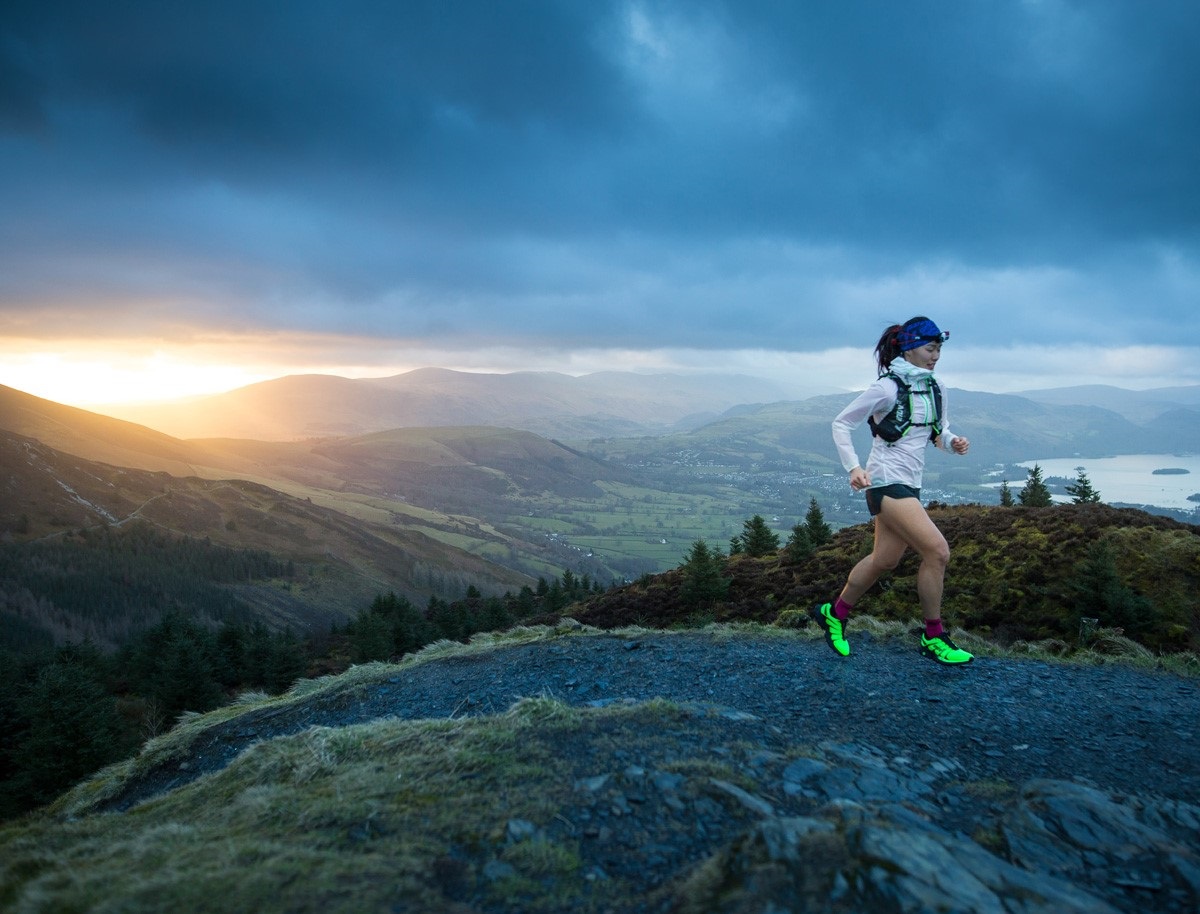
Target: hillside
{"x": 611, "y": 508}
{"x": 1016, "y": 574}
{"x": 93, "y": 436}
{"x": 55, "y": 507}
{"x": 547, "y": 403}
{"x": 730, "y": 770}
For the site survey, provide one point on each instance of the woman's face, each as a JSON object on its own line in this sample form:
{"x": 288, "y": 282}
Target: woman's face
{"x": 925, "y": 356}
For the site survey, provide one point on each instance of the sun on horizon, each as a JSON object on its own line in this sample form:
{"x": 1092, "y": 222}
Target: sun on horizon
{"x": 89, "y": 380}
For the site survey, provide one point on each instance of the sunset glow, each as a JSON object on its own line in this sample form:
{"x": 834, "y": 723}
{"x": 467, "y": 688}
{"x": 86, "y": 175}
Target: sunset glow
{"x": 93, "y": 379}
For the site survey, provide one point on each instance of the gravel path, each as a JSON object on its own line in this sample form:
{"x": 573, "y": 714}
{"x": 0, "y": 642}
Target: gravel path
{"x": 1121, "y": 729}
{"x": 1011, "y": 719}
{"x": 1091, "y": 775}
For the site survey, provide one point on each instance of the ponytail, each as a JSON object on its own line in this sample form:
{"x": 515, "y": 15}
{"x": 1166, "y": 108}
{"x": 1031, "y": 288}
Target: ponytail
{"x": 888, "y": 348}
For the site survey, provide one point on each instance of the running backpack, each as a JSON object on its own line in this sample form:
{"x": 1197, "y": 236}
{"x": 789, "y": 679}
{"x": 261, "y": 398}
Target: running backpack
{"x": 891, "y": 428}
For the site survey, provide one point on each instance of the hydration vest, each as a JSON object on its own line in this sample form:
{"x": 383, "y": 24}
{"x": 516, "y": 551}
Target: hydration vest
{"x": 892, "y": 427}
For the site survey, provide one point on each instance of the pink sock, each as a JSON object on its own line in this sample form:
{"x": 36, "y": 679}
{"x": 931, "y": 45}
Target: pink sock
{"x": 841, "y": 609}
{"x": 933, "y": 628}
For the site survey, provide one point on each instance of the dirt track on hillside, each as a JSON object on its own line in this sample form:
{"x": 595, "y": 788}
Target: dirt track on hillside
{"x": 1116, "y": 727}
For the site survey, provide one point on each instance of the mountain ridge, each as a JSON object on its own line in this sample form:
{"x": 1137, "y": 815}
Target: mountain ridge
{"x": 548, "y": 403}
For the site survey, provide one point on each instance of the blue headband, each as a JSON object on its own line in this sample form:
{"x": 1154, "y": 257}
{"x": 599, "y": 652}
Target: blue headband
{"x": 910, "y": 336}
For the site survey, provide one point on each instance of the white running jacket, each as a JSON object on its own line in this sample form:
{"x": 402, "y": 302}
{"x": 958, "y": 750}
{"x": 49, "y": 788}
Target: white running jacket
{"x": 901, "y": 461}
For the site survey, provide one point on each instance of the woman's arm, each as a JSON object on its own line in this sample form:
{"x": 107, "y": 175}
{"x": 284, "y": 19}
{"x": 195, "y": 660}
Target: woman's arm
{"x": 876, "y": 399}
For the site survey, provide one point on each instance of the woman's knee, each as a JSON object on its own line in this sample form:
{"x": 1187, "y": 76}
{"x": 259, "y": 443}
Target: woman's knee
{"x": 936, "y": 553}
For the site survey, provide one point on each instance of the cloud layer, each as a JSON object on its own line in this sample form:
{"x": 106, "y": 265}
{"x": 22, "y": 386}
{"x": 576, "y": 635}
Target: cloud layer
{"x": 545, "y": 174}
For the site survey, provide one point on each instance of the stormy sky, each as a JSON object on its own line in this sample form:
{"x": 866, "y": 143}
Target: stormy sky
{"x": 754, "y": 185}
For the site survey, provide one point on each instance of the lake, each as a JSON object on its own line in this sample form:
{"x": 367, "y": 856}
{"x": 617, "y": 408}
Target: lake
{"x": 1130, "y": 479}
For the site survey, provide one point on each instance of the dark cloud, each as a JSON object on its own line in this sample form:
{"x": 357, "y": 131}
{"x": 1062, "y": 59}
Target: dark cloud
{"x": 705, "y": 174}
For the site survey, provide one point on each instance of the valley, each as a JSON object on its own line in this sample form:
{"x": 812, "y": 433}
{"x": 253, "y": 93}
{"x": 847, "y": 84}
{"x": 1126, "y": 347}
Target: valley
{"x": 501, "y": 506}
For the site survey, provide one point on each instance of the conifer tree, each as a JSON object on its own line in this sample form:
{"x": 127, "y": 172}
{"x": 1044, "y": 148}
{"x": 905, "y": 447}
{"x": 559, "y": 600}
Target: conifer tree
{"x": 819, "y": 532}
{"x": 704, "y": 581}
{"x": 411, "y": 631}
{"x": 757, "y": 538}
{"x": 1081, "y": 490}
{"x": 287, "y": 662}
{"x": 1098, "y": 591}
{"x": 1035, "y": 494}
{"x": 1006, "y": 498}
{"x": 74, "y": 729}
{"x": 799, "y": 545}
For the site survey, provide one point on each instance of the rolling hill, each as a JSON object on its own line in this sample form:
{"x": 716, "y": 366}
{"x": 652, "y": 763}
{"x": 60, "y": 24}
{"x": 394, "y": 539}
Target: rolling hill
{"x": 1003, "y": 428}
{"x": 549, "y": 404}
{"x": 339, "y": 563}
{"x": 1135, "y": 405}
{"x": 91, "y": 435}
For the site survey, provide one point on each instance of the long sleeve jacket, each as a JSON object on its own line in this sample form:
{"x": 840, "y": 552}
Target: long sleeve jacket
{"x": 901, "y": 461}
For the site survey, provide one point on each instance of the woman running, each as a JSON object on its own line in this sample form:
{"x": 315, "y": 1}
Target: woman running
{"x": 905, "y": 408}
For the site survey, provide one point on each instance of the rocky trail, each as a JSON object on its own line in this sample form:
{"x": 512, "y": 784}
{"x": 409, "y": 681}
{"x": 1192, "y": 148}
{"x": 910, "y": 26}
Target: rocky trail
{"x": 882, "y": 780}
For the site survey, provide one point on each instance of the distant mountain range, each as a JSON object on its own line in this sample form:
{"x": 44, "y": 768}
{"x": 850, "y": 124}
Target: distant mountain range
{"x": 1140, "y": 406}
{"x": 1095, "y": 420}
{"x": 604, "y": 404}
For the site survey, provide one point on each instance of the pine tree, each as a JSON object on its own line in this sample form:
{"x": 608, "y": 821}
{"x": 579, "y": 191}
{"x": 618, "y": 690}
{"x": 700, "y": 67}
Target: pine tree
{"x": 799, "y": 545}
{"x": 819, "y": 532}
{"x": 1082, "y": 491}
{"x": 73, "y": 729}
{"x": 704, "y": 581}
{"x": 1006, "y": 498}
{"x": 411, "y": 631}
{"x": 757, "y": 538}
{"x": 287, "y": 662}
{"x": 1098, "y": 591}
{"x": 1035, "y": 494}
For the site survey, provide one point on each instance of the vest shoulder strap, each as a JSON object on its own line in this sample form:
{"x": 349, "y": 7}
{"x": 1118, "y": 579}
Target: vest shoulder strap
{"x": 894, "y": 425}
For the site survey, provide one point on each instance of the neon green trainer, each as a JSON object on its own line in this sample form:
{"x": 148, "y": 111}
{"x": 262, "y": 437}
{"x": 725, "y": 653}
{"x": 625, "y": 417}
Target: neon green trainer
{"x": 833, "y": 627}
{"x": 942, "y": 650}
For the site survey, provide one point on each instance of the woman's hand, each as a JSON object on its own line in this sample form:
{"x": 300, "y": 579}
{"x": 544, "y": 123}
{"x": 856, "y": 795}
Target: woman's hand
{"x": 859, "y": 479}
{"x": 960, "y": 445}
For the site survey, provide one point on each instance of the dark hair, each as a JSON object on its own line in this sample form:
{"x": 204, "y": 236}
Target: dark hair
{"x": 887, "y": 350}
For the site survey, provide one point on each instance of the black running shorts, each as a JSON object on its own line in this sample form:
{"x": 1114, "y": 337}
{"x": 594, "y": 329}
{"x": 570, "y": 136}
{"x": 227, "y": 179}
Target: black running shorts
{"x": 896, "y": 490}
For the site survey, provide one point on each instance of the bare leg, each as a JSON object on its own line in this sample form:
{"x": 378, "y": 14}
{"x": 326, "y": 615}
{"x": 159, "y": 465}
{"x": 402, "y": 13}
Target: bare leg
{"x": 900, "y": 524}
{"x": 889, "y": 548}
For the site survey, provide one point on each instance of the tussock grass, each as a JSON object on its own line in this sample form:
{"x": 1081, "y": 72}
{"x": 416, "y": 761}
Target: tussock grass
{"x": 402, "y": 814}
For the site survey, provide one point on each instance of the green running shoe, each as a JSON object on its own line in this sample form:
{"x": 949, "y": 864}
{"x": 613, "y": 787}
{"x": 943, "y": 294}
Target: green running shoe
{"x": 943, "y": 650}
{"x": 834, "y": 628}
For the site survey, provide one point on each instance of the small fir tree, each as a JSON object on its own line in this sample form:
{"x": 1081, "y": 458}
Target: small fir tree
{"x": 1006, "y": 497}
{"x": 1097, "y": 590}
{"x": 1035, "y": 494}
{"x": 799, "y": 545}
{"x": 704, "y": 581}
{"x": 819, "y": 532}
{"x": 1081, "y": 490}
{"x": 757, "y": 538}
